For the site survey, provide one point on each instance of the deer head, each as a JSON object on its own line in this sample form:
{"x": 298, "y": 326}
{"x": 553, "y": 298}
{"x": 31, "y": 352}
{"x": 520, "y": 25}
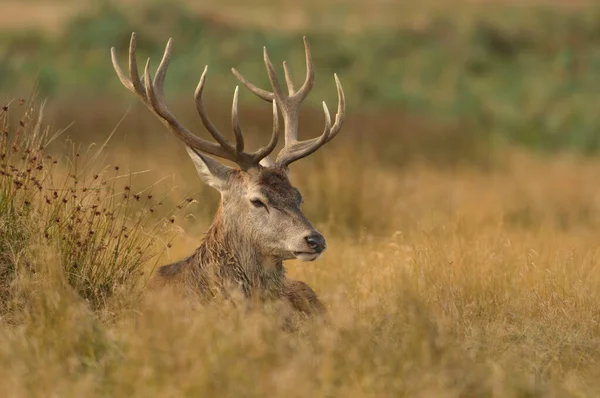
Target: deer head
{"x": 259, "y": 205}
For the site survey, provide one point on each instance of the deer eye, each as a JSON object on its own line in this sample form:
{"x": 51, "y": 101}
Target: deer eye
{"x": 257, "y": 203}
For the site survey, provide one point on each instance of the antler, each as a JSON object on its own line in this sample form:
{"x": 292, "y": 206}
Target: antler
{"x": 151, "y": 93}
{"x": 289, "y": 105}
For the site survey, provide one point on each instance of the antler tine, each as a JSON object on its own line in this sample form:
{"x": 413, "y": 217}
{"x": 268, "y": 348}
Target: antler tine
{"x": 159, "y": 80}
{"x": 133, "y": 68}
{"x": 289, "y": 105}
{"x": 300, "y": 149}
{"x": 266, "y": 150}
{"x": 147, "y": 95}
{"x": 309, "y": 81}
{"x": 151, "y": 93}
{"x": 294, "y": 96}
{"x": 160, "y": 109}
{"x": 132, "y": 83}
{"x": 235, "y": 122}
{"x": 272, "y": 76}
{"x": 259, "y": 92}
{"x": 204, "y": 117}
{"x": 341, "y": 110}
{"x": 295, "y": 149}
{"x": 288, "y": 79}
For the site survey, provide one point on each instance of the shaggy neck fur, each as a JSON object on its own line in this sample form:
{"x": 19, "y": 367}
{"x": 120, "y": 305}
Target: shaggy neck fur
{"x": 227, "y": 259}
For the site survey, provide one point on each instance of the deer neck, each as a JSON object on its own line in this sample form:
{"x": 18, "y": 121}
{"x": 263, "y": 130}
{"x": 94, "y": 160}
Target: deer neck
{"x": 236, "y": 256}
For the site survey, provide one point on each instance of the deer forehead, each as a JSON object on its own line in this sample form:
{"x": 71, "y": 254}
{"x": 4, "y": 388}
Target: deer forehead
{"x": 272, "y": 184}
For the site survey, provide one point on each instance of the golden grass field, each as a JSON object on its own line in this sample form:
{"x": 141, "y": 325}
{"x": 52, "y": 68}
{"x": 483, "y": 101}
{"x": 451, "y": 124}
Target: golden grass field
{"x": 440, "y": 282}
{"x": 455, "y": 267}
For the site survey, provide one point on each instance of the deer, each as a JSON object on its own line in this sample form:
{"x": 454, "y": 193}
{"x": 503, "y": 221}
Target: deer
{"x": 259, "y": 223}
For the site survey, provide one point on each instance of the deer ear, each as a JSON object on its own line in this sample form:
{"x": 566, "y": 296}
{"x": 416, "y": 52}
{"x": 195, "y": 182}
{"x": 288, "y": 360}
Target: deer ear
{"x": 211, "y": 171}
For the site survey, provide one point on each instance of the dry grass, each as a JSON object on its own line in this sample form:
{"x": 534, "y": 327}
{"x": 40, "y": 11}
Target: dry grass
{"x": 454, "y": 268}
{"x": 462, "y": 281}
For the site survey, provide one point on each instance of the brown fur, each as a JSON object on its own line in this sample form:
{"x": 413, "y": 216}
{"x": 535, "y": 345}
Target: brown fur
{"x": 259, "y": 223}
{"x": 229, "y": 262}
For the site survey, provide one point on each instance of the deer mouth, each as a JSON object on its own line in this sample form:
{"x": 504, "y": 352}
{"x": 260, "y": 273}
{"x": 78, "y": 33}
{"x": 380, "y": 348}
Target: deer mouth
{"x": 307, "y": 256}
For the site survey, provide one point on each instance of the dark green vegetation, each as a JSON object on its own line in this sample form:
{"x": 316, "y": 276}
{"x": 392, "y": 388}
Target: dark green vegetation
{"x": 526, "y": 75}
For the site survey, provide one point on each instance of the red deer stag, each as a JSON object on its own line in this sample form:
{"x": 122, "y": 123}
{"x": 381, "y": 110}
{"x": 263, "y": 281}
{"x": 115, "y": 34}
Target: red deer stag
{"x": 259, "y": 223}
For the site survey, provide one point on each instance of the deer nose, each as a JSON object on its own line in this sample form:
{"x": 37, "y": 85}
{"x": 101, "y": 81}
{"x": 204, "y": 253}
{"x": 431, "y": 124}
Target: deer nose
{"x": 316, "y": 242}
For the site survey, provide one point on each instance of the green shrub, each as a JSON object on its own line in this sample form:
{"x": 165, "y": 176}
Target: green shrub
{"x": 93, "y": 225}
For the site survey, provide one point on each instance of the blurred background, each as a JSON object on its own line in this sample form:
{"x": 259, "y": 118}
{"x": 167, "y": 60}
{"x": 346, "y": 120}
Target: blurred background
{"x": 524, "y": 72}
{"x": 460, "y": 200}
{"x": 443, "y": 83}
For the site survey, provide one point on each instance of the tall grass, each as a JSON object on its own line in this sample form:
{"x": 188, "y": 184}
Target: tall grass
{"x": 99, "y": 231}
{"x": 462, "y": 281}
{"x": 454, "y": 267}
